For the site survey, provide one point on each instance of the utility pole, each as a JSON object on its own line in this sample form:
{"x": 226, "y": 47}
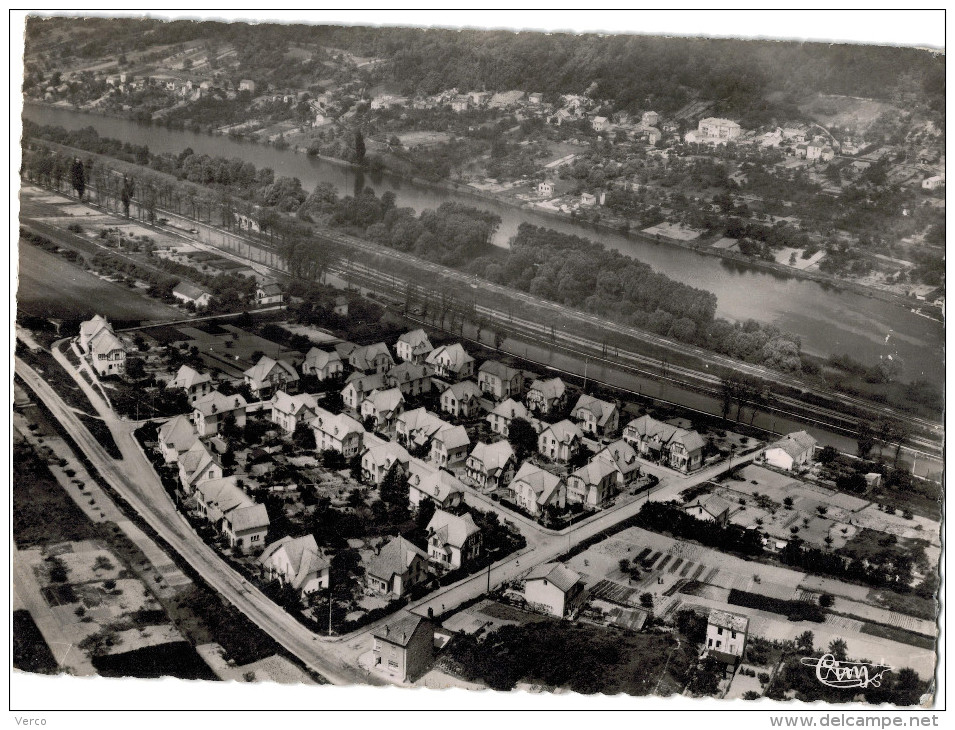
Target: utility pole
{"x": 329, "y": 602}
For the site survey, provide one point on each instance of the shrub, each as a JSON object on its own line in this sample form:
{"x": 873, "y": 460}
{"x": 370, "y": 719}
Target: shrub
{"x": 763, "y": 677}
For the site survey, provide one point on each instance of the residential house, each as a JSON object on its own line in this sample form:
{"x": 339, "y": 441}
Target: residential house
{"x": 650, "y": 119}
{"x": 210, "y": 412}
{"x": 676, "y": 447}
{"x": 191, "y": 294}
{"x": 91, "y": 328}
{"x": 600, "y": 124}
{"x": 546, "y": 396}
{"x": 247, "y": 85}
{"x": 344, "y": 349}
{"x": 297, "y": 562}
{"x": 379, "y": 457}
{"x": 404, "y": 648}
{"x": 819, "y": 151}
{"x": 491, "y": 466}
{"x": 383, "y": 407}
{"x": 624, "y": 459}
{"x": 341, "y": 306}
{"x": 396, "y": 567}
{"x": 288, "y": 411}
{"x": 323, "y": 365}
{"x": 416, "y": 428}
{"x": 545, "y": 188}
{"x": 560, "y": 441}
{"x": 500, "y": 381}
{"x": 933, "y": 183}
{"x": 413, "y": 346}
{"x": 410, "y": 378}
{"x": 426, "y": 481}
{"x": 371, "y": 359}
{"x": 337, "y": 432}
{"x": 176, "y": 436}
{"x": 791, "y": 452}
{"x": 595, "y": 416}
{"x": 107, "y": 353}
{"x": 268, "y": 293}
{"x": 726, "y": 635}
{"x": 195, "y": 384}
{"x": 715, "y": 129}
{"x": 453, "y": 541}
{"x": 450, "y": 446}
{"x": 451, "y": 362}
{"x": 594, "y": 484}
{"x": 505, "y": 412}
{"x": 197, "y": 464}
{"x": 233, "y": 513}
{"x": 535, "y": 98}
{"x": 358, "y": 385}
{"x": 588, "y": 200}
{"x": 534, "y": 489}
{"x": 554, "y": 589}
{"x": 709, "y": 508}
{"x": 268, "y": 376}
{"x": 462, "y": 399}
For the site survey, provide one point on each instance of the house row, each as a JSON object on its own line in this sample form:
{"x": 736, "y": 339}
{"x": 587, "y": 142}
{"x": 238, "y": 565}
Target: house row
{"x": 678, "y": 448}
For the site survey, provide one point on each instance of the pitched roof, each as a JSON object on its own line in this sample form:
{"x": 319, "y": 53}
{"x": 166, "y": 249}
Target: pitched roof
{"x": 509, "y": 409}
{"x": 190, "y": 291}
{"x": 621, "y": 454}
{"x": 666, "y": 433}
{"x": 336, "y": 425}
{"x": 601, "y": 409}
{"x": 293, "y": 404}
{"x": 270, "y": 289}
{"x": 260, "y": 371}
{"x": 727, "y": 620}
{"x": 498, "y": 369}
{"x": 415, "y": 338}
{"x": 303, "y": 554}
{"x": 94, "y": 325}
{"x": 465, "y": 389}
{"x": 432, "y": 481}
{"x": 564, "y": 431}
{"x": 179, "y": 433}
{"x": 452, "y": 529}
{"x": 248, "y": 518}
{"x": 493, "y": 457}
{"x": 344, "y": 349}
{"x": 187, "y": 378}
{"x": 385, "y": 401}
{"x": 400, "y": 630}
{"x": 423, "y": 420}
{"x": 216, "y": 402}
{"x": 557, "y": 573}
{"x": 711, "y": 503}
{"x": 453, "y": 437}
{"x": 363, "y": 358}
{"x": 223, "y": 494}
{"x": 104, "y": 341}
{"x": 384, "y": 453}
{"x": 407, "y": 371}
{"x": 539, "y": 480}
{"x": 364, "y": 383}
{"x": 320, "y": 359}
{"x": 550, "y": 389}
{"x": 455, "y": 354}
{"x": 595, "y": 471}
{"x": 196, "y": 459}
{"x": 394, "y": 559}
{"x": 803, "y": 440}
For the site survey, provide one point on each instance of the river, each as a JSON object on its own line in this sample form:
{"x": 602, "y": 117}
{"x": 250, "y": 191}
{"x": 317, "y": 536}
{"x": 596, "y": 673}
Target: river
{"x": 829, "y": 322}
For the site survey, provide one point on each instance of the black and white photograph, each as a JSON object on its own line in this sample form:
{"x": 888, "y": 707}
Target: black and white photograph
{"x": 597, "y": 365}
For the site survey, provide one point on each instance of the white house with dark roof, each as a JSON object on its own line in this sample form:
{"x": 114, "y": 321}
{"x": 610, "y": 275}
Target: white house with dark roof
{"x": 176, "y": 436}
{"x": 358, "y": 385}
{"x": 197, "y": 464}
{"x": 371, "y": 359}
{"x": 410, "y": 377}
{"x": 534, "y": 489}
{"x": 337, "y": 432}
{"x": 791, "y": 452}
{"x": 595, "y": 416}
{"x": 383, "y": 407}
{"x": 210, "y": 411}
{"x": 462, "y": 399}
{"x": 413, "y": 346}
{"x": 593, "y": 484}
{"x": 429, "y": 482}
{"x": 453, "y": 541}
{"x": 451, "y": 362}
{"x": 288, "y": 411}
{"x": 499, "y": 380}
{"x": 403, "y": 648}
{"x": 726, "y": 635}
{"x": 546, "y": 396}
{"x": 450, "y": 446}
{"x": 491, "y": 466}
{"x": 297, "y": 562}
{"x": 323, "y": 365}
{"x": 268, "y": 293}
{"x": 396, "y": 567}
{"x": 268, "y": 376}
{"x": 235, "y": 514}
{"x": 709, "y": 508}
{"x": 107, "y": 353}
{"x": 554, "y": 589}
{"x": 560, "y": 441}
{"x": 195, "y": 384}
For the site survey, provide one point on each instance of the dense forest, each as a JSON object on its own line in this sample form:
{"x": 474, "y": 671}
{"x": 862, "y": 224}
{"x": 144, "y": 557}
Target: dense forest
{"x": 753, "y": 80}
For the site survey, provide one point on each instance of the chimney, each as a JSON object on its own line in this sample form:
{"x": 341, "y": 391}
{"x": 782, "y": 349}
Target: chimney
{"x": 387, "y": 630}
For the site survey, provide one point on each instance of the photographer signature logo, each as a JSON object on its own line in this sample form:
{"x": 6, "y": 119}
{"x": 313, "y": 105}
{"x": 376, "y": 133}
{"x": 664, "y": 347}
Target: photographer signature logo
{"x": 845, "y": 674}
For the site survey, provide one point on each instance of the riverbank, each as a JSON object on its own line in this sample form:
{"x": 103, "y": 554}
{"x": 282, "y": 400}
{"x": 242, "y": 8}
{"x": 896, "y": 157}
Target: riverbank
{"x": 588, "y": 229}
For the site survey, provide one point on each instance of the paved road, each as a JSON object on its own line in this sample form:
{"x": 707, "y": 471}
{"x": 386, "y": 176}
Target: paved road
{"x": 135, "y": 480}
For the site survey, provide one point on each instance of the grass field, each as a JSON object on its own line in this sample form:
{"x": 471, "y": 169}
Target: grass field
{"x": 30, "y": 651}
{"x": 893, "y": 633}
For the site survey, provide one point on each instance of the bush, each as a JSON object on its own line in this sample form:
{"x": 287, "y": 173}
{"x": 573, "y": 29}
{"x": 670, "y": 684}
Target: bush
{"x": 763, "y": 677}
{"x": 826, "y": 600}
